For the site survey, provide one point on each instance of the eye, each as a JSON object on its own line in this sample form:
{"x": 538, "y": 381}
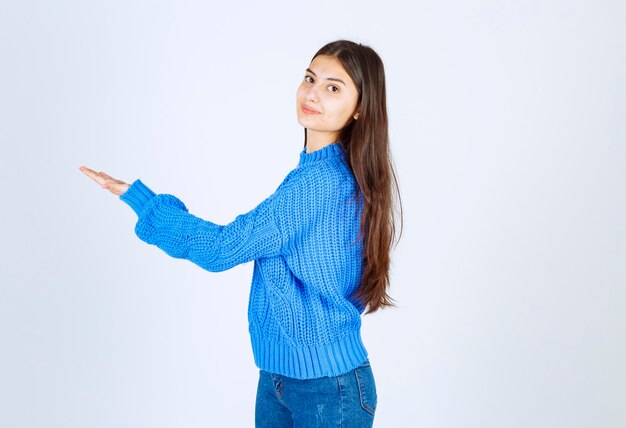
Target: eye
{"x": 333, "y": 86}
{"x": 308, "y": 77}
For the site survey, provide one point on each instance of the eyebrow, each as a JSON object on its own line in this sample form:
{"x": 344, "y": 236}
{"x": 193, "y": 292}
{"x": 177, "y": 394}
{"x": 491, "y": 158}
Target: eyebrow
{"x": 328, "y": 78}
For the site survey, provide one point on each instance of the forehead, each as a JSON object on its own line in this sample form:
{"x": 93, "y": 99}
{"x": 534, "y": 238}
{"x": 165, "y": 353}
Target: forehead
{"x": 325, "y": 66}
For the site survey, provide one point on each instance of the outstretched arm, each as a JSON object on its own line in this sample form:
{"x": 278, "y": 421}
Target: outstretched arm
{"x": 164, "y": 221}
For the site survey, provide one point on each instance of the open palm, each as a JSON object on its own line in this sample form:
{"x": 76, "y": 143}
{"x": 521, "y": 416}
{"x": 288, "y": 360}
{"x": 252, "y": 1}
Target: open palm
{"x": 117, "y": 187}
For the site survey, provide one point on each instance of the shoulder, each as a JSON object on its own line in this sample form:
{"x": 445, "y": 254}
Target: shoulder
{"x": 314, "y": 192}
{"x": 313, "y": 180}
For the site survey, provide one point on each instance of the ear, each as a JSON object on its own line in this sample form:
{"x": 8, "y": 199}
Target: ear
{"x": 355, "y": 114}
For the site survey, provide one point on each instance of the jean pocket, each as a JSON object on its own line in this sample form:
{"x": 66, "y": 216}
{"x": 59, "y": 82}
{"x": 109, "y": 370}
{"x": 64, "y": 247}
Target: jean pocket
{"x": 367, "y": 387}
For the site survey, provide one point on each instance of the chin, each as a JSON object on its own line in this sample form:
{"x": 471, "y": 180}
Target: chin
{"x": 305, "y": 122}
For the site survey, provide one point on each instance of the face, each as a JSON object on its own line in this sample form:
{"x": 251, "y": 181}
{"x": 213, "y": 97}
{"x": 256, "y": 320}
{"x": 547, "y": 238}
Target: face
{"x": 327, "y": 98}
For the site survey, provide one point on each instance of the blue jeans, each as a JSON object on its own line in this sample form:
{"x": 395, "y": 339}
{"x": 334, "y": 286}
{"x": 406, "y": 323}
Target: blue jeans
{"x": 347, "y": 400}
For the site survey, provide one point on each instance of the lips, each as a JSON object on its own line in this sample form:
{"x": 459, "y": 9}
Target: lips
{"x": 309, "y": 110}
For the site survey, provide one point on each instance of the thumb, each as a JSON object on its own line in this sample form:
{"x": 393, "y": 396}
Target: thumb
{"x": 115, "y": 187}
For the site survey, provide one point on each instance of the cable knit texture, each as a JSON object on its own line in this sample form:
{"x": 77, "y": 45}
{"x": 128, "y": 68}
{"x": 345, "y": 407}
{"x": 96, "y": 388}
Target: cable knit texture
{"x": 307, "y": 261}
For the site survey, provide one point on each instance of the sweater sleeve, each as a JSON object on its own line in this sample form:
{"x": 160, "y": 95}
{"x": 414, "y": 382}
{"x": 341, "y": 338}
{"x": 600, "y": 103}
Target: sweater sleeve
{"x": 164, "y": 221}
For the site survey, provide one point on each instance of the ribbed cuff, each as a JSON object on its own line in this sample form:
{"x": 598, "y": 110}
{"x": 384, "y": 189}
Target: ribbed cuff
{"x": 137, "y": 195}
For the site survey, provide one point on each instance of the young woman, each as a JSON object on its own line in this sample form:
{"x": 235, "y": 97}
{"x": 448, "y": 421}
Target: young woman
{"x": 320, "y": 244}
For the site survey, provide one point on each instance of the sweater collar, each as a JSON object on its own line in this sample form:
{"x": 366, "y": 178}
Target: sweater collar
{"x": 328, "y": 151}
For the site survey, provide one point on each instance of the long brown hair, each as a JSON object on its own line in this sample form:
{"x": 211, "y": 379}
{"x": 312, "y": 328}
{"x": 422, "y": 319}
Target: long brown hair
{"x": 366, "y": 144}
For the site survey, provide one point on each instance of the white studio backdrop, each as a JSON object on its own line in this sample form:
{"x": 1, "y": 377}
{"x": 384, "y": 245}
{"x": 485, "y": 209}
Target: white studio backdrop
{"x": 509, "y": 139}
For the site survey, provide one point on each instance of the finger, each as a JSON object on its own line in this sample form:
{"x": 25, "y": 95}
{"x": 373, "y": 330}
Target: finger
{"x": 93, "y": 175}
{"x": 86, "y": 170}
{"x": 99, "y": 177}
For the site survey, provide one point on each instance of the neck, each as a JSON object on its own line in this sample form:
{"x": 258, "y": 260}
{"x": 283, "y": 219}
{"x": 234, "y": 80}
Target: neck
{"x": 316, "y": 140}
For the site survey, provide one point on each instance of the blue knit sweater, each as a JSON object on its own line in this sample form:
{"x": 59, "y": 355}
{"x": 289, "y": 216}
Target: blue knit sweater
{"x": 307, "y": 261}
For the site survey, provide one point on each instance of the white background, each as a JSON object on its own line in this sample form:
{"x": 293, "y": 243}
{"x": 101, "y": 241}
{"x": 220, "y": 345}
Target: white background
{"x": 508, "y": 133}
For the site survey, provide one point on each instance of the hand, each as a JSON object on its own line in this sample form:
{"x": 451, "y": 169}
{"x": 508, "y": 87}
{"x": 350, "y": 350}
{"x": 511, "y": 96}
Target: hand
{"x": 117, "y": 187}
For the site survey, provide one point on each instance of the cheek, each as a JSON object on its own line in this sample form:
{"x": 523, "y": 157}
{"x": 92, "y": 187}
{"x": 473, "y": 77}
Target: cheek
{"x": 300, "y": 92}
{"x": 339, "y": 114}
{"x": 341, "y": 111}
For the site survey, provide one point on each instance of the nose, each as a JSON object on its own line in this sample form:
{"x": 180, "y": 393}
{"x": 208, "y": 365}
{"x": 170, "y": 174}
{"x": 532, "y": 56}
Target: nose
{"x": 311, "y": 94}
